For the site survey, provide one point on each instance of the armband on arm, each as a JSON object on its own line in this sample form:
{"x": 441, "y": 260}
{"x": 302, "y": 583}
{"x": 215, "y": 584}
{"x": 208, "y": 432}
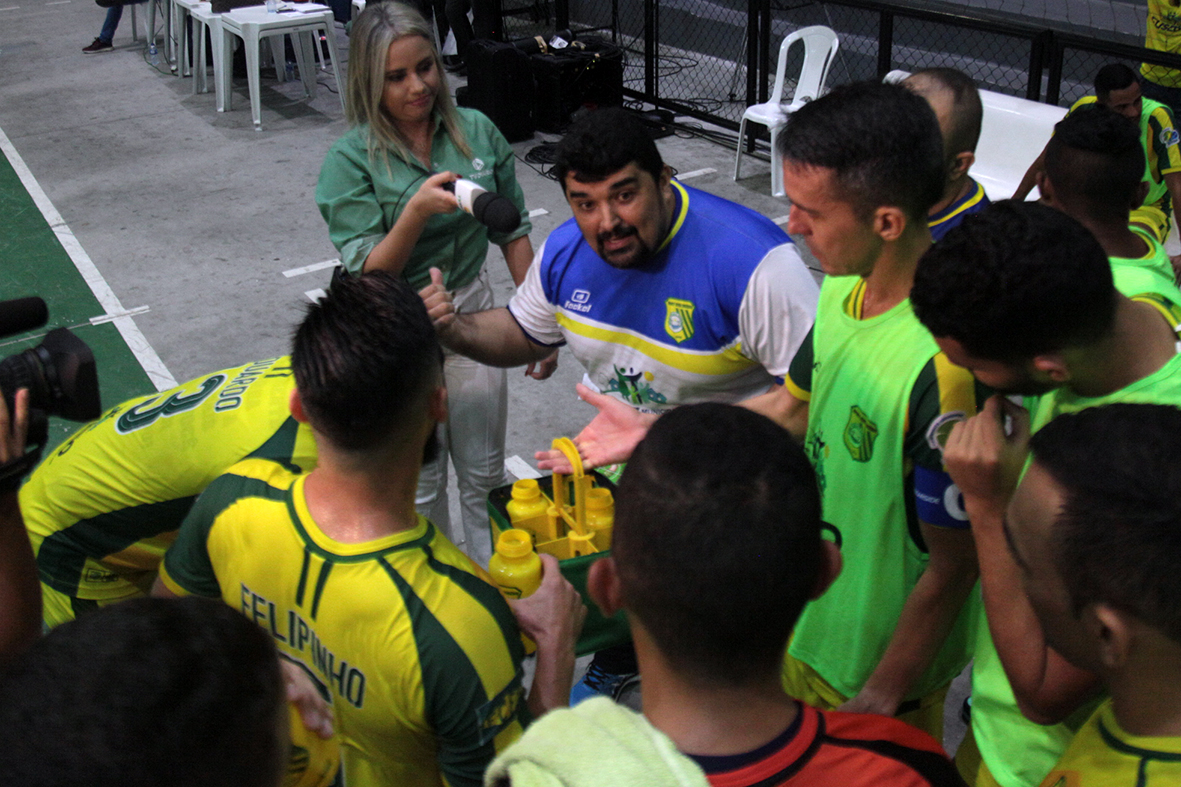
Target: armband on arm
{"x": 938, "y": 500}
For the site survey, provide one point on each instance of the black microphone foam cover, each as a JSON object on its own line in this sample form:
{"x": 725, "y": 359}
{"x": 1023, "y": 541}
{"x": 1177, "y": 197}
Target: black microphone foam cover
{"x": 495, "y": 212}
{"x": 22, "y": 314}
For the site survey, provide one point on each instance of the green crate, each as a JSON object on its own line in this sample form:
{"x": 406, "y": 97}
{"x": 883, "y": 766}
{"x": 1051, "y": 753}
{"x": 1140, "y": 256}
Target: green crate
{"x": 598, "y": 632}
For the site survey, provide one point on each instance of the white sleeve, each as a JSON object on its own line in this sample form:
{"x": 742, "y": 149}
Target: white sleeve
{"x": 532, "y": 310}
{"x": 778, "y": 309}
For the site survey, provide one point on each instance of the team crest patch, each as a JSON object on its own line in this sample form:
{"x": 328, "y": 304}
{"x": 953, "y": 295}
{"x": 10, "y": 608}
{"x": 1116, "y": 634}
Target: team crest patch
{"x": 678, "y": 319}
{"x": 860, "y": 434}
{"x": 1169, "y": 137}
{"x": 940, "y": 428}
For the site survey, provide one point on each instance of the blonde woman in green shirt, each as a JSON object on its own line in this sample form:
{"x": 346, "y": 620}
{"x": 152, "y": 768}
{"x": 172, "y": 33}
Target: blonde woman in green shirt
{"x": 381, "y": 190}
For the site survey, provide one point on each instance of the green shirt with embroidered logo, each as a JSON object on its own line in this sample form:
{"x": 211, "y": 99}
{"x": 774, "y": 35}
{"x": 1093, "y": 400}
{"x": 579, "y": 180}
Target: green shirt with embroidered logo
{"x": 361, "y": 198}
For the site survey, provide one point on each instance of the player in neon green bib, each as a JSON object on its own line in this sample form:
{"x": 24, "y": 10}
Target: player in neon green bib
{"x": 862, "y": 167}
{"x": 1092, "y": 173}
{"x": 1022, "y": 295}
{"x": 1093, "y": 527}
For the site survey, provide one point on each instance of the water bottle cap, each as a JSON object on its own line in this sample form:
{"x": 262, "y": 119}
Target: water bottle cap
{"x": 599, "y": 497}
{"x": 514, "y": 543}
{"x": 526, "y": 489}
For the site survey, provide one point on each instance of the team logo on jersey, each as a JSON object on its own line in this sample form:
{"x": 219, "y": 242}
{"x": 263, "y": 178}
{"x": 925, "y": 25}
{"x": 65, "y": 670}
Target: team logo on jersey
{"x": 478, "y": 164}
{"x": 678, "y": 319}
{"x": 1169, "y": 137}
{"x": 579, "y": 301}
{"x": 860, "y": 434}
{"x": 940, "y": 428}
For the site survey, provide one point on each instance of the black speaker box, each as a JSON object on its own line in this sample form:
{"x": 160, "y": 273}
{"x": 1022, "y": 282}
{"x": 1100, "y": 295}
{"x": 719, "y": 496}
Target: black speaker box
{"x": 500, "y": 85}
{"x": 588, "y": 73}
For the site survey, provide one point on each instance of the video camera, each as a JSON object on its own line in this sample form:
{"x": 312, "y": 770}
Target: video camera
{"x": 59, "y": 373}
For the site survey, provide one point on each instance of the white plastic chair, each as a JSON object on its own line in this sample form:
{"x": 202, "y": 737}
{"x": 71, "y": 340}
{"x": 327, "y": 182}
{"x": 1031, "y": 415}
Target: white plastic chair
{"x": 820, "y": 48}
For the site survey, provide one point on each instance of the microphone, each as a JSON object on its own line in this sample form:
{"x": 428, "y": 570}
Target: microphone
{"x": 22, "y": 314}
{"x": 487, "y": 207}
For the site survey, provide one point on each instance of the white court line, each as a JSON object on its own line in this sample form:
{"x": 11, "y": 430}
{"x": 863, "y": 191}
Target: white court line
{"x": 537, "y": 212}
{"x": 59, "y": 2}
{"x": 315, "y": 266}
{"x": 315, "y": 295}
{"x": 695, "y": 173}
{"x": 11, "y": 8}
{"x": 154, "y": 367}
{"x": 99, "y": 320}
{"x": 520, "y": 468}
{"x": 781, "y": 219}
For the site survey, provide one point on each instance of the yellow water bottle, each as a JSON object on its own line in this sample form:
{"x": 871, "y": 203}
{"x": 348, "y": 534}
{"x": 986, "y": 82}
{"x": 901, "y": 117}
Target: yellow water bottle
{"x": 527, "y": 510}
{"x": 600, "y": 516}
{"x": 515, "y": 568}
{"x": 314, "y": 760}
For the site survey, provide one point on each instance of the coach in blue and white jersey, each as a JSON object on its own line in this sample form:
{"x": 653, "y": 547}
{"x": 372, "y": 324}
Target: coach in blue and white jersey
{"x": 666, "y": 294}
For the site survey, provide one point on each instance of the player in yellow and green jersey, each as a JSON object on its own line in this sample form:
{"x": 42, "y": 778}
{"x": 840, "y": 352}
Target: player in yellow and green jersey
{"x": 420, "y": 655}
{"x": 105, "y": 504}
{"x": 1023, "y": 296}
{"x": 1117, "y": 88}
{"x": 1093, "y": 528}
{"x": 1163, "y": 33}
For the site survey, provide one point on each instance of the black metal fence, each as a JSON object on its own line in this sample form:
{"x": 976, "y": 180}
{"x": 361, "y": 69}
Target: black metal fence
{"x": 711, "y": 59}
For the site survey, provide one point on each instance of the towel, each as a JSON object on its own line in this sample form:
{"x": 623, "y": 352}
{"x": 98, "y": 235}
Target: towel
{"x": 593, "y": 744}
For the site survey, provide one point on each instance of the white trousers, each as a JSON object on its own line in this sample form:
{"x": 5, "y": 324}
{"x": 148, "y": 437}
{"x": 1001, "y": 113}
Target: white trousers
{"x": 473, "y": 438}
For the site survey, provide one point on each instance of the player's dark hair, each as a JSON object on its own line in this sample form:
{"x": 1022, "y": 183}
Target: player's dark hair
{"x": 1118, "y": 536}
{"x": 718, "y": 544}
{"x": 1113, "y": 76}
{"x": 881, "y": 141}
{"x": 602, "y": 142}
{"x": 1015, "y": 281}
{"x": 967, "y": 112}
{"x": 1095, "y": 162}
{"x": 363, "y": 356}
{"x": 146, "y": 693}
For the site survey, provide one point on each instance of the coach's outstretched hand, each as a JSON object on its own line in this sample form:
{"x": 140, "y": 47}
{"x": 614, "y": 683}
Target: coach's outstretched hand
{"x": 609, "y": 438}
{"x": 552, "y": 617}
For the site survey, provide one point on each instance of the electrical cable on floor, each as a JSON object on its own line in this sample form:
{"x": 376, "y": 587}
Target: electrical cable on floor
{"x": 540, "y": 159}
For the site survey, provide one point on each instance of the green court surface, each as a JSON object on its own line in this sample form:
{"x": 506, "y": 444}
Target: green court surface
{"x": 34, "y": 262}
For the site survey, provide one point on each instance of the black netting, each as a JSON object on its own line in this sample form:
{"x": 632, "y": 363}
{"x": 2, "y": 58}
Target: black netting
{"x": 695, "y": 54}
{"x": 996, "y": 61}
{"x": 1078, "y": 71}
